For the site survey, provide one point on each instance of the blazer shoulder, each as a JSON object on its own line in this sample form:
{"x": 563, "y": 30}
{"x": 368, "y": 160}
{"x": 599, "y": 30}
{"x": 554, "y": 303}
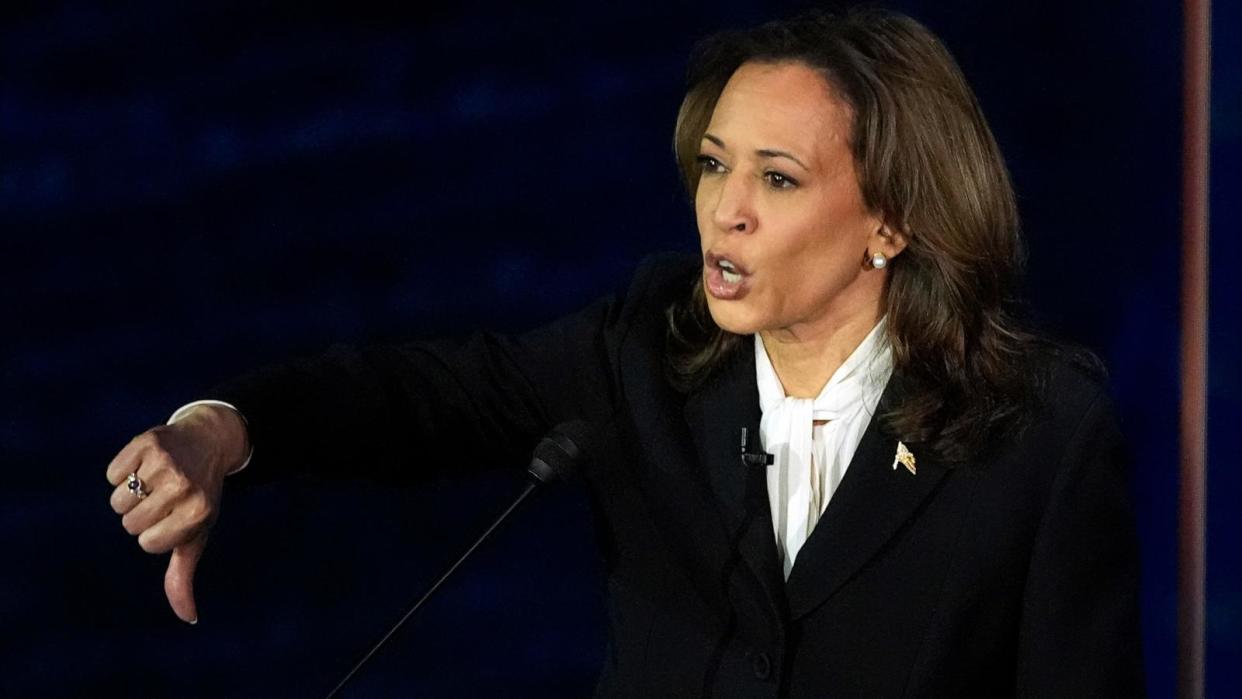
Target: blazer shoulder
{"x": 1071, "y": 380}
{"x": 659, "y": 280}
{"x": 1075, "y": 404}
{"x": 663, "y": 273}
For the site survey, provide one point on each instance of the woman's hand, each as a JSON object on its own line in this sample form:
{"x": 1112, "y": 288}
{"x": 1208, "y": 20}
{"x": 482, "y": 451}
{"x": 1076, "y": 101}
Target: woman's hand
{"x": 182, "y": 468}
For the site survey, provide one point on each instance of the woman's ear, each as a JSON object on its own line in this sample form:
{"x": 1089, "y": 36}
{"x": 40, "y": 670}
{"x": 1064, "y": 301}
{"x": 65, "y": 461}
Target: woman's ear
{"x": 889, "y": 240}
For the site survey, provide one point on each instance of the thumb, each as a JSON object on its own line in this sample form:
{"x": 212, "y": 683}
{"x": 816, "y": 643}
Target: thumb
{"x": 179, "y": 580}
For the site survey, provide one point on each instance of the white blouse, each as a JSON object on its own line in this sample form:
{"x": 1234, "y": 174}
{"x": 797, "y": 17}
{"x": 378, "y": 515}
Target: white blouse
{"x": 810, "y": 459}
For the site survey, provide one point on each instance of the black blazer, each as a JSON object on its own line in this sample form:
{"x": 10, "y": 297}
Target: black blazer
{"x": 1016, "y": 575}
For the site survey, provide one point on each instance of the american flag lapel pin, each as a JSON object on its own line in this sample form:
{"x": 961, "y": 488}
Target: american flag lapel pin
{"x": 905, "y": 457}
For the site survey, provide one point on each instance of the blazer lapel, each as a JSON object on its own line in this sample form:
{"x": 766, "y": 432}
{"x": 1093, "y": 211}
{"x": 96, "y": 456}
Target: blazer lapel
{"x": 697, "y": 487}
{"x": 870, "y": 506}
{"x": 716, "y": 415}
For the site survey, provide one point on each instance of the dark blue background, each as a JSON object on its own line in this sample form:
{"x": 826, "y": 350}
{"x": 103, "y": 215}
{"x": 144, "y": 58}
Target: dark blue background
{"x": 188, "y": 190}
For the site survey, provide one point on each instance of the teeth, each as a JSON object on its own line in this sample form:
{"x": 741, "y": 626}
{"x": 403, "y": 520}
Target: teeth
{"x": 725, "y": 264}
{"x": 731, "y": 277}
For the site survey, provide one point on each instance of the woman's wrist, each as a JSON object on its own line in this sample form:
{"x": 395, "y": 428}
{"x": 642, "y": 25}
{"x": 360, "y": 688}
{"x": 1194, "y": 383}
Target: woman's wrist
{"x": 227, "y": 430}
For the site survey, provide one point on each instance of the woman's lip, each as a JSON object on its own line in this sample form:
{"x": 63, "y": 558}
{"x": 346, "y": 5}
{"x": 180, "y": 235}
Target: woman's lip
{"x": 713, "y": 259}
{"x": 714, "y": 282}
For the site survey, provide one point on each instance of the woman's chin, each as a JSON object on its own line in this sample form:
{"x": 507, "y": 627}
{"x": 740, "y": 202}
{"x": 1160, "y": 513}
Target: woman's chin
{"x": 732, "y": 316}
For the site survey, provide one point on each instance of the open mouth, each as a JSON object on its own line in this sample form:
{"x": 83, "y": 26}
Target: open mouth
{"x": 725, "y": 279}
{"x": 729, "y": 272}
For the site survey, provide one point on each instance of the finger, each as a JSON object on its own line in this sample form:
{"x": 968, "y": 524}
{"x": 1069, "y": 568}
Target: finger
{"x": 123, "y": 500}
{"x": 185, "y": 521}
{"x": 150, "y": 510}
{"x": 179, "y": 579}
{"x": 128, "y": 459}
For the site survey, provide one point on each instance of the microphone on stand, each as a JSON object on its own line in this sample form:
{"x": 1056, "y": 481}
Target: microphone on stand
{"x": 557, "y": 456}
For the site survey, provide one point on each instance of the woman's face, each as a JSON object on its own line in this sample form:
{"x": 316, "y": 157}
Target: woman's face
{"x": 781, "y": 219}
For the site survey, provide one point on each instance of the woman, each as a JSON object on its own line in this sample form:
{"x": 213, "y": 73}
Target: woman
{"x": 934, "y": 504}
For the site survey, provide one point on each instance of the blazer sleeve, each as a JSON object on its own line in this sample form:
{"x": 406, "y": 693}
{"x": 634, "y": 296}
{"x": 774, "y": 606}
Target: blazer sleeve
{"x": 412, "y": 411}
{"x": 1079, "y": 634}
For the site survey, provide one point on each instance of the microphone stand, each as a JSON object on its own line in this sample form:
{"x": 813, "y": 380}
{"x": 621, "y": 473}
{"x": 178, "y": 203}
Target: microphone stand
{"x": 556, "y": 457}
{"x": 430, "y": 591}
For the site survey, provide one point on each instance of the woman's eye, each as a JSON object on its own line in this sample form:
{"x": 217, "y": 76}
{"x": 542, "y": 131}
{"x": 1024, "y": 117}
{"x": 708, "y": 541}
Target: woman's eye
{"x": 779, "y": 181}
{"x": 709, "y": 164}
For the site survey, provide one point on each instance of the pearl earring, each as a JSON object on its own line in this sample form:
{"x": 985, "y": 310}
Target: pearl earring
{"x": 879, "y": 261}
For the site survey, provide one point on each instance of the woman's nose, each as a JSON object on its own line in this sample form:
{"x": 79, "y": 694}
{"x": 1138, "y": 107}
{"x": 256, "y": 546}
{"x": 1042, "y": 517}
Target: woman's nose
{"x": 734, "y": 210}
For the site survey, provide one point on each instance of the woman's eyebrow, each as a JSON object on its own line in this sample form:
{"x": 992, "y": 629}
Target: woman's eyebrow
{"x": 769, "y": 153}
{"x": 762, "y": 152}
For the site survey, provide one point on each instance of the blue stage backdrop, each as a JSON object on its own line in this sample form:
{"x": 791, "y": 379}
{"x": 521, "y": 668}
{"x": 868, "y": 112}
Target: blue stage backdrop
{"x": 188, "y": 190}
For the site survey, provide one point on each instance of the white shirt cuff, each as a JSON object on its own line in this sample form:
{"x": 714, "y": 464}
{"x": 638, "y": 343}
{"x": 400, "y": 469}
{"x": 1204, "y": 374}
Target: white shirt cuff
{"x": 180, "y": 413}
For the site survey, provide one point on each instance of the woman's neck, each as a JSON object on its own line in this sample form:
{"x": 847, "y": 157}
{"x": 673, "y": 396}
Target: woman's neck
{"x": 805, "y": 357}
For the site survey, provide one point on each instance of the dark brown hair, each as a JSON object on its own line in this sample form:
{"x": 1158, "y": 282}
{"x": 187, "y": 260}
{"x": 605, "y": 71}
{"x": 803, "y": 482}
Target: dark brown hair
{"x": 928, "y": 164}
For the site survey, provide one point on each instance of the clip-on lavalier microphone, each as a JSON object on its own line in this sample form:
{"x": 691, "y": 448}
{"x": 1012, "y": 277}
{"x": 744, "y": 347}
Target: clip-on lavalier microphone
{"x": 752, "y": 455}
